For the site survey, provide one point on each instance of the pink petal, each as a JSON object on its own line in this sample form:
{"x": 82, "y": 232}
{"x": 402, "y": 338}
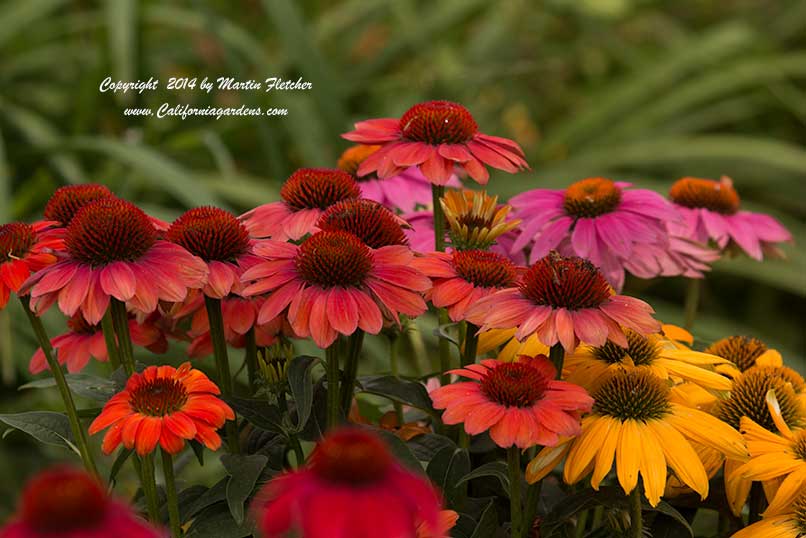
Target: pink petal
{"x": 118, "y": 280}
{"x": 342, "y": 310}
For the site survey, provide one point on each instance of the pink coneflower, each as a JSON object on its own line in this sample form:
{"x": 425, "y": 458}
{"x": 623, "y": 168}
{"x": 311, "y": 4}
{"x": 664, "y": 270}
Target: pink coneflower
{"x": 565, "y": 300}
{"x": 519, "y": 403}
{"x": 218, "y": 238}
{"x": 334, "y": 284}
{"x": 371, "y": 222}
{"x": 711, "y": 211}
{"x": 463, "y": 277}
{"x": 351, "y": 486}
{"x": 405, "y": 191}
{"x": 66, "y": 503}
{"x": 25, "y": 249}
{"x": 306, "y": 194}
{"x": 84, "y": 341}
{"x": 112, "y": 250}
{"x": 598, "y": 219}
{"x": 435, "y": 136}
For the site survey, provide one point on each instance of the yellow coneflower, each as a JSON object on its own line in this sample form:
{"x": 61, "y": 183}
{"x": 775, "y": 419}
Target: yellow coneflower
{"x": 744, "y": 352}
{"x": 654, "y": 353}
{"x": 775, "y": 457}
{"x": 787, "y": 522}
{"x": 512, "y": 347}
{"x": 635, "y": 422}
{"x": 475, "y": 219}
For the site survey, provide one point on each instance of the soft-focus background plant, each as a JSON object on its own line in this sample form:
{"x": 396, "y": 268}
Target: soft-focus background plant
{"x": 638, "y": 90}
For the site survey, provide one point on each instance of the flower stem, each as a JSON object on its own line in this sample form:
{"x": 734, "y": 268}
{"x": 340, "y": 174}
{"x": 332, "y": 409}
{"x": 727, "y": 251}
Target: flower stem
{"x": 149, "y": 483}
{"x": 437, "y": 191}
{"x": 170, "y": 491}
{"x": 471, "y": 344}
{"x": 692, "y": 303}
{"x": 532, "y": 500}
{"x": 354, "y": 344}
{"x": 298, "y": 454}
{"x": 757, "y": 501}
{"x": 514, "y": 464}
{"x": 636, "y": 519}
{"x": 216, "y": 319}
{"x": 251, "y": 359}
{"x": 557, "y": 357}
{"x": 394, "y": 364}
{"x": 333, "y": 400}
{"x": 79, "y": 435}
{"x": 108, "y": 328}
{"x": 120, "y": 321}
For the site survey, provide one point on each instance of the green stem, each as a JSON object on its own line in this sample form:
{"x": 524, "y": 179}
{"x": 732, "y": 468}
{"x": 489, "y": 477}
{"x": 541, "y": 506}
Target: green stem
{"x": 170, "y": 492}
{"x": 532, "y": 501}
{"x": 394, "y": 364}
{"x": 108, "y": 327}
{"x": 471, "y": 345}
{"x": 758, "y": 502}
{"x": 557, "y": 357}
{"x": 354, "y": 344}
{"x": 598, "y": 515}
{"x": 120, "y": 321}
{"x": 437, "y": 191}
{"x": 79, "y": 434}
{"x": 582, "y": 522}
{"x": 693, "y": 290}
{"x": 298, "y": 454}
{"x": 149, "y": 483}
{"x": 216, "y": 319}
{"x": 514, "y": 465}
{"x": 251, "y": 359}
{"x": 636, "y": 519}
{"x": 333, "y": 400}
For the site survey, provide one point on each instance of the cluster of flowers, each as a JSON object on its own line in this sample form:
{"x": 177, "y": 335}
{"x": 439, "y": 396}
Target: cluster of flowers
{"x": 579, "y": 369}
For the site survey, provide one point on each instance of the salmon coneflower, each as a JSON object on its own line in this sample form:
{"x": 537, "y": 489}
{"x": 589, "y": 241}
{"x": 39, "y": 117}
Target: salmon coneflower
{"x": 564, "y": 300}
{"x": 113, "y": 251}
{"x": 351, "y": 486}
{"x": 436, "y": 137}
{"x": 24, "y": 250}
{"x": 305, "y": 196}
{"x": 520, "y": 403}
{"x": 634, "y": 422}
{"x": 334, "y": 284}
{"x": 371, "y": 222}
{"x": 65, "y": 201}
{"x": 786, "y": 522}
{"x": 711, "y": 211}
{"x": 405, "y": 191}
{"x": 67, "y": 503}
{"x": 463, "y": 277}
{"x": 604, "y": 221}
{"x": 166, "y": 406}
{"x": 218, "y": 238}
{"x": 84, "y": 341}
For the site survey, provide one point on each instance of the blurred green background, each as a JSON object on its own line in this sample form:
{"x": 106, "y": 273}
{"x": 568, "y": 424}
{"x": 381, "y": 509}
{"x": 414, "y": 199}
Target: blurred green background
{"x": 638, "y": 90}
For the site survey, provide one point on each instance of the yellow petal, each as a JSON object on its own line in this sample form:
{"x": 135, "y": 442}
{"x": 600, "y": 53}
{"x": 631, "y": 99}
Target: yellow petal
{"x": 777, "y": 416}
{"x": 604, "y": 458}
{"x": 545, "y": 461}
{"x": 594, "y": 432}
{"x": 653, "y": 467}
{"x": 628, "y": 455}
{"x": 769, "y": 466}
{"x": 680, "y": 456}
{"x": 736, "y": 488}
{"x": 708, "y": 430}
{"x": 761, "y": 440}
{"x": 789, "y": 490}
{"x": 776, "y": 527}
{"x": 677, "y": 333}
{"x": 771, "y": 357}
{"x": 693, "y": 357}
{"x": 701, "y": 376}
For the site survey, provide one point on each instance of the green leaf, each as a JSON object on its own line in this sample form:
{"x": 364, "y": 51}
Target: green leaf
{"x": 44, "y": 426}
{"x": 301, "y": 384}
{"x": 121, "y": 18}
{"x": 216, "y": 494}
{"x": 21, "y": 16}
{"x": 244, "y": 472}
{"x": 198, "y": 450}
{"x": 259, "y": 412}
{"x": 668, "y": 510}
{"x": 118, "y": 464}
{"x": 446, "y": 470}
{"x": 487, "y": 523}
{"x": 400, "y": 450}
{"x": 496, "y": 469}
{"x": 397, "y": 389}
{"x": 88, "y": 386}
{"x": 216, "y": 522}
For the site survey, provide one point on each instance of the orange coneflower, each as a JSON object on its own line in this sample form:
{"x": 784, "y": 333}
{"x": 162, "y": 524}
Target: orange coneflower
{"x": 164, "y": 405}
{"x": 25, "y": 249}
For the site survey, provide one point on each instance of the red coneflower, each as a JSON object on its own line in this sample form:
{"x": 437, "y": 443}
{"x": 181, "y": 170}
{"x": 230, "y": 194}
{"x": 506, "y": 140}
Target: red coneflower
{"x": 334, "y": 284}
{"x": 25, "y": 249}
{"x": 371, "y": 222}
{"x": 352, "y": 486}
{"x": 84, "y": 341}
{"x": 462, "y": 278}
{"x": 218, "y": 238}
{"x": 519, "y": 402}
{"x": 565, "y": 300}
{"x": 164, "y": 405}
{"x": 113, "y": 250}
{"x": 67, "y": 503}
{"x": 306, "y": 194}
{"x": 65, "y": 202}
{"x": 435, "y": 136}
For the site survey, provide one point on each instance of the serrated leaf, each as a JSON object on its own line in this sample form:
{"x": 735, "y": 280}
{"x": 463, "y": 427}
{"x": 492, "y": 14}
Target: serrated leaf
{"x": 495, "y": 469}
{"x": 44, "y": 426}
{"x": 301, "y": 383}
{"x": 244, "y": 472}
{"x": 397, "y": 389}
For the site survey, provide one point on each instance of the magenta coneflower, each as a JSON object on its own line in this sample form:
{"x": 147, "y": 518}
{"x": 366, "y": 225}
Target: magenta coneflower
{"x": 218, "y": 238}
{"x": 565, "y": 300}
{"x": 305, "y": 195}
{"x": 84, "y": 341}
{"x": 598, "y": 219}
{"x": 350, "y": 487}
{"x": 112, "y": 250}
{"x": 25, "y": 249}
{"x": 712, "y": 212}
{"x": 463, "y": 277}
{"x": 333, "y": 284}
{"x": 405, "y": 191}
{"x": 435, "y": 136}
